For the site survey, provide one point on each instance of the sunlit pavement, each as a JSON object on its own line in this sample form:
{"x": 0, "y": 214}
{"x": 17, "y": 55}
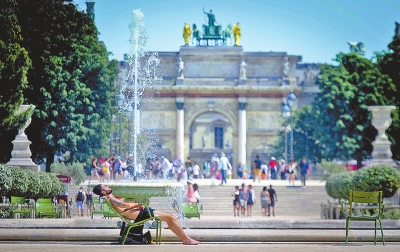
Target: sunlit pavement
{"x": 206, "y": 247}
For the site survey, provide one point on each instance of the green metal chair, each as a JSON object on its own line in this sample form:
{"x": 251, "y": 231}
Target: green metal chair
{"x": 46, "y": 209}
{"x": 20, "y": 206}
{"x": 192, "y": 210}
{"x": 131, "y": 224}
{"x": 364, "y": 197}
{"x": 45, "y": 200}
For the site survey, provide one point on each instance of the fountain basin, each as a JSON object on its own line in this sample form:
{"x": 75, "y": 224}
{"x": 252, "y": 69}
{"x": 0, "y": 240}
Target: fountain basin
{"x": 143, "y": 190}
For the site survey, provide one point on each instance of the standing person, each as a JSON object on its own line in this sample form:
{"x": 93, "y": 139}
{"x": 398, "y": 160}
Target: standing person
{"x": 214, "y": 172}
{"x": 117, "y": 168}
{"x": 240, "y": 170}
{"x": 177, "y": 164}
{"x": 264, "y": 171}
{"x": 94, "y": 170}
{"x": 196, "y": 192}
{"x": 265, "y": 199}
{"x": 273, "y": 166}
{"x": 207, "y": 169}
{"x": 303, "y": 171}
{"x": 257, "y": 169}
{"x": 224, "y": 165}
{"x": 196, "y": 170}
{"x": 165, "y": 167}
{"x": 89, "y": 202}
{"x": 105, "y": 168}
{"x": 251, "y": 200}
{"x": 135, "y": 211}
{"x": 80, "y": 198}
{"x": 283, "y": 169}
{"x": 243, "y": 200}
{"x": 274, "y": 198}
{"x": 236, "y": 201}
{"x": 291, "y": 172}
{"x": 188, "y": 168}
{"x": 129, "y": 165}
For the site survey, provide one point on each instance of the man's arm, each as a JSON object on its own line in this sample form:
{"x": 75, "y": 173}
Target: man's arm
{"x": 276, "y": 197}
{"x": 128, "y": 205}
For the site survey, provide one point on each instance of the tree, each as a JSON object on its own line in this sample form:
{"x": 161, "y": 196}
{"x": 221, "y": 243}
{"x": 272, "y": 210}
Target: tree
{"x": 342, "y": 106}
{"x": 71, "y": 80}
{"x": 389, "y": 63}
{"x": 14, "y": 66}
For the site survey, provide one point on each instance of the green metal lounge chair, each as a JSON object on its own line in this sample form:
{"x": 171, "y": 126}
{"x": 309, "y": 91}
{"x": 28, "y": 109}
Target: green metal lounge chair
{"x": 131, "y": 224}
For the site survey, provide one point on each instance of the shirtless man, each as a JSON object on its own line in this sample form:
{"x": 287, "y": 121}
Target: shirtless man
{"x": 132, "y": 211}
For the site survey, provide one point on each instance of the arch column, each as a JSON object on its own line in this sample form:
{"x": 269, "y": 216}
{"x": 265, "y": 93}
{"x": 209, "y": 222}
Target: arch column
{"x": 180, "y": 126}
{"x": 242, "y": 131}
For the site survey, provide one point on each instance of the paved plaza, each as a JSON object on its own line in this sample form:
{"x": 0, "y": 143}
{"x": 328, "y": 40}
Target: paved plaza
{"x": 204, "y": 247}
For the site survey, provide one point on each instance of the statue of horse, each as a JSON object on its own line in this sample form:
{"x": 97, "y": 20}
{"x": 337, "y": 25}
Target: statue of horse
{"x": 196, "y": 35}
{"x": 226, "y": 34}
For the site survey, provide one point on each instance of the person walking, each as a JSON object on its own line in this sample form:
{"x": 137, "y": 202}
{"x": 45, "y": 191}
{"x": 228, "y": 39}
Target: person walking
{"x": 251, "y": 200}
{"x": 240, "y": 170}
{"x": 89, "y": 202}
{"x": 291, "y": 172}
{"x": 80, "y": 198}
{"x": 272, "y": 167}
{"x": 236, "y": 201}
{"x": 265, "y": 199}
{"x": 207, "y": 167}
{"x": 303, "y": 171}
{"x": 257, "y": 169}
{"x": 243, "y": 200}
{"x": 196, "y": 170}
{"x": 274, "y": 198}
{"x": 94, "y": 170}
{"x": 224, "y": 165}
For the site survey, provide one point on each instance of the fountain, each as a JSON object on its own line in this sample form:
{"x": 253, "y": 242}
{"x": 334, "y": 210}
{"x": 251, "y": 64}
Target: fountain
{"x": 141, "y": 72}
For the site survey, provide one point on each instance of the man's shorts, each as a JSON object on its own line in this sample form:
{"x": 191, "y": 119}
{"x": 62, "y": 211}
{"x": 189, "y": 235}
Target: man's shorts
{"x": 144, "y": 214}
{"x": 79, "y": 205}
{"x": 243, "y": 203}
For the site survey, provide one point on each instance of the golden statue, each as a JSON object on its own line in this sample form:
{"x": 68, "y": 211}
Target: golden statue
{"x": 186, "y": 33}
{"x": 236, "y": 33}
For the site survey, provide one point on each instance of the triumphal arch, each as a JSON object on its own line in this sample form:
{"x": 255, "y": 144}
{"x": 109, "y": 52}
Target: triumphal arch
{"x": 216, "y": 97}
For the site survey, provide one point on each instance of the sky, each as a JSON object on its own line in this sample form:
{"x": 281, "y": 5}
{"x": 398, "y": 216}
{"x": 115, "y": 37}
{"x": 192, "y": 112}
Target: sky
{"x": 317, "y": 30}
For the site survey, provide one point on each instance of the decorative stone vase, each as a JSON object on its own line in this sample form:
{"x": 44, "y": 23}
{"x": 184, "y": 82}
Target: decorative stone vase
{"x": 381, "y": 120}
{"x": 21, "y": 154}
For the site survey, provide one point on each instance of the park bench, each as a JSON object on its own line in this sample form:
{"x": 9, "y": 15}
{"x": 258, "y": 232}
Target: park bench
{"x": 191, "y": 210}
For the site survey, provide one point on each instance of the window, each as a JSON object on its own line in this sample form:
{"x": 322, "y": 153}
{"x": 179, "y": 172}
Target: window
{"x": 219, "y": 137}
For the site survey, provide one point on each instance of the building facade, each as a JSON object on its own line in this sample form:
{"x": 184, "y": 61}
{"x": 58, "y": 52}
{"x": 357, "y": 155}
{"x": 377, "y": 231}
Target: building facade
{"x": 215, "y": 99}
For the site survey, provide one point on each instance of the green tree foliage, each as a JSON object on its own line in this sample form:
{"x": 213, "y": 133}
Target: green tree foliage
{"x": 340, "y": 110}
{"x": 389, "y": 62}
{"x": 71, "y": 80}
{"x": 14, "y": 66}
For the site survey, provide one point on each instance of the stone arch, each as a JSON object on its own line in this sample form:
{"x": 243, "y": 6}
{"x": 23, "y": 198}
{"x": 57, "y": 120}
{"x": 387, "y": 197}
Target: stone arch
{"x": 190, "y": 117}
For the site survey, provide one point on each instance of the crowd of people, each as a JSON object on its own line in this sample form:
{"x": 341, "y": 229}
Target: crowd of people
{"x": 245, "y": 198}
{"x": 279, "y": 170}
{"x": 218, "y": 169}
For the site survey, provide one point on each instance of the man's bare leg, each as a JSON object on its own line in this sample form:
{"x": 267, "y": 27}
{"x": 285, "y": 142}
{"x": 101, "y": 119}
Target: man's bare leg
{"x": 175, "y": 227}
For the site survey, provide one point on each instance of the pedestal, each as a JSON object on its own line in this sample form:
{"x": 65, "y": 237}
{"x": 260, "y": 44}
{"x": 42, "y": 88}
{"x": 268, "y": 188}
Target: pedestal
{"x": 21, "y": 154}
{"x": 381, "y": 120}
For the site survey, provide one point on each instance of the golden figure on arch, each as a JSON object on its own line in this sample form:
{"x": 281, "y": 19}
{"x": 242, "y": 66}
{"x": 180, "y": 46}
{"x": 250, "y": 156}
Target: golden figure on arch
{"x": 186, "y": 33}
{"x": 237, "y": 33}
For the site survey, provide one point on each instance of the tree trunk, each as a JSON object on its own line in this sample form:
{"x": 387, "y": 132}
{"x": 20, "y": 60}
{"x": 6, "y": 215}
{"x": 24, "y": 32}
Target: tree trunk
{"x": 49, "y": 161}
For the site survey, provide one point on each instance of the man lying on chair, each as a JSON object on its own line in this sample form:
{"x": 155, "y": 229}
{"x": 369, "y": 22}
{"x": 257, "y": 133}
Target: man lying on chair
{"x": 132, "y": 211}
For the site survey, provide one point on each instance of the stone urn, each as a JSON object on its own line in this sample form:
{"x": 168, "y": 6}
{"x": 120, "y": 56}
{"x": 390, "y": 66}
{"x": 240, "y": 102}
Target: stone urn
{"x": 381, "y": 120}
{"x": 21, "y": 154}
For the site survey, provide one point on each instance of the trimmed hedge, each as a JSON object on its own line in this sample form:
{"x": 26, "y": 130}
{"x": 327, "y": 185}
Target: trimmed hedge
{"x": 373, "y": 178}
{"x": 16, "y": 181}
{"x": 75, "y": 170}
